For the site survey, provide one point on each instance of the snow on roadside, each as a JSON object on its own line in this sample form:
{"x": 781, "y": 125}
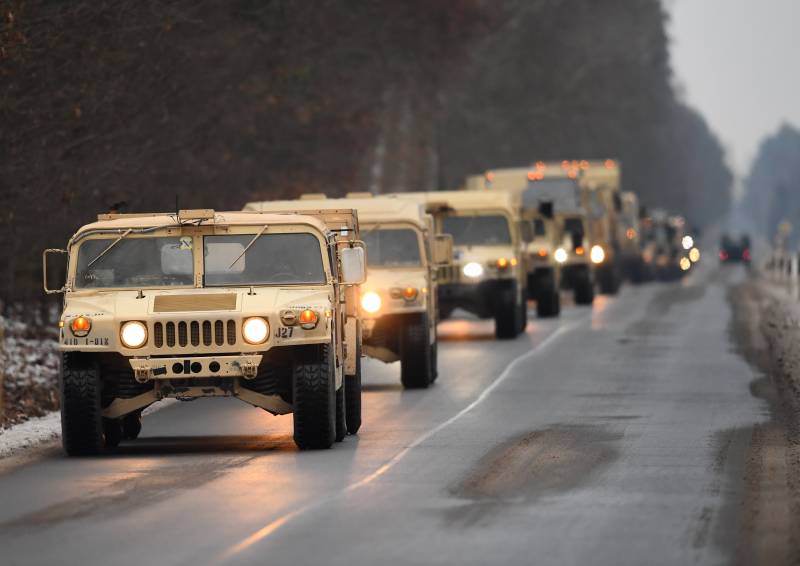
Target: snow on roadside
{"x": 38, "y": 430}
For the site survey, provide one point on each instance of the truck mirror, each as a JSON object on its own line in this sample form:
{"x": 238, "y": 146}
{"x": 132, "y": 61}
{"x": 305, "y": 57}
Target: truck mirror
{"x": 354, "y": 265}
{"x": 546, "y": 209}
{"x": 526, "y": 230}
{"x": 443, "y": 249}
{"x": 62, "y": 280}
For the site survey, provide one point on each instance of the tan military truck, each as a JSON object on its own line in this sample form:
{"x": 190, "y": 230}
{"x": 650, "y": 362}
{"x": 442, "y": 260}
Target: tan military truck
{"x": 398, "y": 300}
{"x": 549, "y": 191}
{"x": 198, "y": 303}
{"x": 490, "y": 274}
{"x": 544, "y": 272}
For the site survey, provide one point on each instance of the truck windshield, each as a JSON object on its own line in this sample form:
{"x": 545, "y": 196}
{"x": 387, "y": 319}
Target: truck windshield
{"x": 135, "y": 262}
{"x": 573, "y": 225}
{"x": 272, "y": 259}
{"x": 488, "y": 230}
{"x": 392, "y": 247}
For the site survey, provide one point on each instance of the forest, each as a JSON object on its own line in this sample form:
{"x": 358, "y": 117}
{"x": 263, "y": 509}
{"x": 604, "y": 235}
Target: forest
{"x": 213, "y": 103}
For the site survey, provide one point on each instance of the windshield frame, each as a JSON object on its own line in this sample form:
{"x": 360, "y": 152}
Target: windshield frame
{"x": 367, "y": 227}
{"x": 196, "y": 233}
{"x": 512, "y": 233}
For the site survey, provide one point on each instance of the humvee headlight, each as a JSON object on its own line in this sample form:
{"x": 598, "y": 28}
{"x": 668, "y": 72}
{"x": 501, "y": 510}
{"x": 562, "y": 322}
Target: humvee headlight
{"x": 560, "y": 255}
{"x": 694, "y": 255}
{"x": 255, "y": 330}
{"x": 371, "y": 302}
{"x": 80, "y": 326}
{"x": 597, "y": 254}
{"x": 133, "y": 334}
{"x": 308, "y": 319}
{"x": 410, "y": 293}
{"x": 473, "y": 269}
{"x": 685, "y": 264}
{"x": 687, "y": 242}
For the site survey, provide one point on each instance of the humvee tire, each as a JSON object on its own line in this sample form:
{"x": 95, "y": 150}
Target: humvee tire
{"x": 352, "y": 396}
{"x": 435, "y": 356}
{"x": 584, "y": 289}
{"x": 415, "y": 353}
{"x": 341, "y": 414}
{"x": 548, "y": 303}
{"x": 609, "y": 281}
{"x": 81, "y": 416}
{"x": 132, "y": 425}
{"x": 112, "y": 430}
{"x": 314, "y": 399}
{"x": 507, "y": 314}
{"x": 523, "y": 312}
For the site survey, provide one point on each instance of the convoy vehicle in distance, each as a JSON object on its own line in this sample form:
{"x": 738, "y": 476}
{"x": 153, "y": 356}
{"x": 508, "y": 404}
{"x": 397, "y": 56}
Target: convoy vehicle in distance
{"x": 398, "y": 300}
{"x": 664, "y": 251}
{"x": 490, "y": 276}
{"x": 732, "y": 250}
{"x": 198, "y": 303}
{"x": 630, "y": 238}
{"x": 544, "y": 272}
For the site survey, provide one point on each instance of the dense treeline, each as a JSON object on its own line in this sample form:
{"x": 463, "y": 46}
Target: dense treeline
{"x": 771, "y": 188}
{"x": 218, "y": 102}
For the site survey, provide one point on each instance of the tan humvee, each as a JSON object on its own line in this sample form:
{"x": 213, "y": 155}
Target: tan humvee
{"x": 663, "y": 253}
{"x": 489, "y": 278}
{"x": 258, "y": 306}
{"x": 549, "y": 191}
{"x": 398, "y": 300}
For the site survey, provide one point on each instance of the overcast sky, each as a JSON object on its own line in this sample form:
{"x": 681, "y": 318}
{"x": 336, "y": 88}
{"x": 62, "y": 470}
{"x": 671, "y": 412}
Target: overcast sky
{"x": 738, "y": 62}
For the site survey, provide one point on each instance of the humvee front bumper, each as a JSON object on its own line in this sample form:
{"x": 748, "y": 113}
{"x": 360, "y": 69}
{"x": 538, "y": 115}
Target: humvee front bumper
{"x": 245, "y": 365}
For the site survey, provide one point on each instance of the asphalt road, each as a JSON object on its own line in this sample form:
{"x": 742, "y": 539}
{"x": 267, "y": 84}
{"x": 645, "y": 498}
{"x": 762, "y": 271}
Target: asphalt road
{"x": 617, "y": 434}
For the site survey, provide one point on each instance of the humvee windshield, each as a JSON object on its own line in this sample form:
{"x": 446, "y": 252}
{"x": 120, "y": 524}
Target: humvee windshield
{"x": 272, "y": 259}
{"x": 135, "y": 262}
{"x": 389, "y": 247}
{"x": 488, "y": 230}
{"x": 538, "y": 227}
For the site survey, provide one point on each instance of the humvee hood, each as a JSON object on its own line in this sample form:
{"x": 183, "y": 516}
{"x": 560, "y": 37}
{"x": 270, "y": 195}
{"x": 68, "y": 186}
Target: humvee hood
{"x": 392, "y": 278}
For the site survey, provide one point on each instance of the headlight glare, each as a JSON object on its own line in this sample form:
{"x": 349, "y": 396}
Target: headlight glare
{"x": 597, "y": 254}
{"x": 473, "y": 269}
{"x": 255, "y": 330}
{"x": 371, "y": 302}
{"x": 133, "y": 334}
{"x": 560, "y": 255}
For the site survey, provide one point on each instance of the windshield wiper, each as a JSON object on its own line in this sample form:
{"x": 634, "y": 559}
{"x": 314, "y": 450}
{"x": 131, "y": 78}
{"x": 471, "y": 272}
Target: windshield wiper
{"x": 247, "y": 247}
{"x": 114, "y": 243}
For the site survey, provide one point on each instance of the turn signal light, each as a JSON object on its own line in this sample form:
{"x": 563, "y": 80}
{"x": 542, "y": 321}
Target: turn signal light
{"x": 579, "y": 250}
{"x": 542, "y": 252}
{"x": 308, "y": 319}
{"x": 502, "y": 263}
{"x": 80, "y": 326}
{"x": 410, "y": 293}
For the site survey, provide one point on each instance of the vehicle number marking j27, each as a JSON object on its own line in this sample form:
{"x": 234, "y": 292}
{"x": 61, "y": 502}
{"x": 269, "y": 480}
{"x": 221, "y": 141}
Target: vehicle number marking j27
{"x": 284, "y": 332}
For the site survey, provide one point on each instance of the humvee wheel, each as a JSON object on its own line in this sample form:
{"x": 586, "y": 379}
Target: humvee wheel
{"x": 352, "y": 396}
{"x": 415, "y": 353}
{"x": 548, "y": 303}
{"x": 112, "y": 429}
{"x": 81, "y": 417}
{"x": 132, "y": 425}
{"x": 584, "y": 290}
{"x": 435, "y": 355}
{"x": 341, "y": 414}
{"x": 507, "y": 314}
{"x": 609, "y": 281}
{"x": 523, "y": 313}
{"x": 314, "y": 399}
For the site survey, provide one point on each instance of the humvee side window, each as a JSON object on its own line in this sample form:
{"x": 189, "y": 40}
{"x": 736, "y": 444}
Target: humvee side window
{"x": 387, "y": 247}
{"x": 134, "y": 262}
{"x": 488, "y": 230}
{"x": 272, "y": 259}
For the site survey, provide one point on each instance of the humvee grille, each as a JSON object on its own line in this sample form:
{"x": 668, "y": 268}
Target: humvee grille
{"x": 194, "y": 332}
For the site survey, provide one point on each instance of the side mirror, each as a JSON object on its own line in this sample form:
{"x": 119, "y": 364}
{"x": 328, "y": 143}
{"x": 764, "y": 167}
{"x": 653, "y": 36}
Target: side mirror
{"x": 526, "y": 230}
{"x": 45, "y": 255}
{"x": 354, "y": 265}
{"x": 443, "y": 249}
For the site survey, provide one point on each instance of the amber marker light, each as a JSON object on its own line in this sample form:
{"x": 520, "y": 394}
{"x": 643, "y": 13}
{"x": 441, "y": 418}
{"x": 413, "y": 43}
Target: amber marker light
{"x": 579, "y": 250}
{"x": 80, "y": 326}
{"x": 410, "y": 293}
{"x": 502, "y": 263}
{"x": 542, "y": 252}
{"x": 308, "y": 319}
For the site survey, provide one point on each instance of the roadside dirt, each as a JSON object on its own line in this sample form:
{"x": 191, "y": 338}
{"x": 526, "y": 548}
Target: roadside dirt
{"x": 769, "y": 514}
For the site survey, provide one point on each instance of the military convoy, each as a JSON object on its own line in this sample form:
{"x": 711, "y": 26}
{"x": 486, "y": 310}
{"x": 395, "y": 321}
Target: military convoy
{"x": 276, "y": 304}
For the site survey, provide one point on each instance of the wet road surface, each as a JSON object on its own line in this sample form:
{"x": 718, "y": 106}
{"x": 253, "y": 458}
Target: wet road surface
{"x": 617, "y": 434}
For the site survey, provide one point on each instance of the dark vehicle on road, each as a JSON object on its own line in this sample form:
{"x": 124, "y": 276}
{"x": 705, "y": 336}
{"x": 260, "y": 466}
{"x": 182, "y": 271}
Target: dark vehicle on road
{"x": 732, "y": 250}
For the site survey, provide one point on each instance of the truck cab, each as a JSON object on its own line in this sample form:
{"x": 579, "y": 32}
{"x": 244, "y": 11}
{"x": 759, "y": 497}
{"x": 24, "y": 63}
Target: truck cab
{"x": 201, "y": 303}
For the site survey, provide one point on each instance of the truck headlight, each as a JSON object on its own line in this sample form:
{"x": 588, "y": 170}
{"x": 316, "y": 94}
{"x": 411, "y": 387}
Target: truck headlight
{"x": 560, "y": 255}
{"x": 255, "y": 330}
{"x": 371, "y": 302}
{"x": 133, "y": 334}
{"x": 597, "y": 254}
{"x": 473, "y": 269}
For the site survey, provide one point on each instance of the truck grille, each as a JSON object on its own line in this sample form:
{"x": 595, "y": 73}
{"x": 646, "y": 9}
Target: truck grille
{"x": 195, "y": 332}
